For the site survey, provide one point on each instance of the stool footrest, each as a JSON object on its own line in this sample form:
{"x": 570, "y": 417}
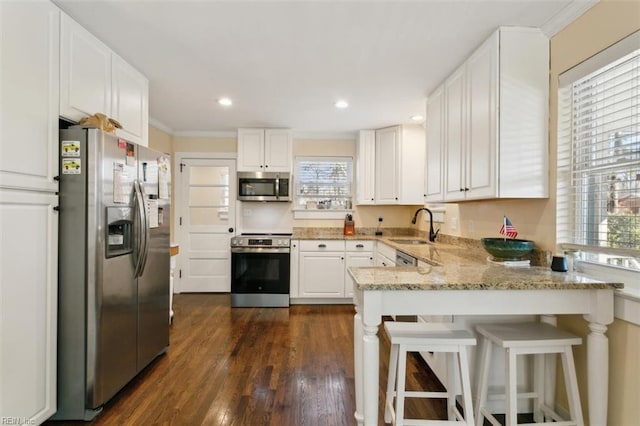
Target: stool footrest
{"x": 422, "y": 394}
{"x": 419, "y": 422}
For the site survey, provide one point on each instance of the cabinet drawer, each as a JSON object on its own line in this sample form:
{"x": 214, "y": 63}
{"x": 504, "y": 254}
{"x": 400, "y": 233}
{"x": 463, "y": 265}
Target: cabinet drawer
{"x": 386, "y": 250}
{"x": 359, "y": 245}
{"x": 322, "y": 245}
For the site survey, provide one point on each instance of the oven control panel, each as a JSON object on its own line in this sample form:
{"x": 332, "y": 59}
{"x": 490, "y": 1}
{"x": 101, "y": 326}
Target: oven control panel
{"x": 260, "y": 241}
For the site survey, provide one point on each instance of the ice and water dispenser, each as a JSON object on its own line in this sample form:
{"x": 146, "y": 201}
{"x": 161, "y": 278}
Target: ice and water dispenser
{"x": 119, "y": 231}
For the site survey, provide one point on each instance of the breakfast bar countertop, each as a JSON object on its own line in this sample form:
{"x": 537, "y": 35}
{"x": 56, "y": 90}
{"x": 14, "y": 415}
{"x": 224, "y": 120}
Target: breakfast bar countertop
{"x": 471, "y": 276}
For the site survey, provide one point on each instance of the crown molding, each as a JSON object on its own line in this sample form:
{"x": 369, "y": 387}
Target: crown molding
{"x": 326, "y": 135}
{"x": 567, "y": 15}
{"x": 160, "y": 126}
{"x": 205, "y": 134}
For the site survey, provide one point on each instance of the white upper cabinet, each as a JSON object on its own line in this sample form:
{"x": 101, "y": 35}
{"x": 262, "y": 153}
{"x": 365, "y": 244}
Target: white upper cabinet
{"x": 29, "y": 83}
{"x": 365, "y": 167}
{"x": 387, "y": 170}
{"x": 400, "y": 156}
{"x": 94, "y": 79}
{"x": 85, "y": 72}
{"x": 130, "y": 104}
{"x": 278, "y": 149}
{"x": 264, "y": 150}
{"x": 390, "y": 165}
{"x": 495, "y": 121}
{"x": 435, "y": 135}
{"x": 455, "y": 140}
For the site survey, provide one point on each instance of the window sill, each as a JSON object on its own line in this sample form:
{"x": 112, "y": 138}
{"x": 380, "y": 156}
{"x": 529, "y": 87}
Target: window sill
{"x": 320, "y": 214}
{"x": 627, "y": 305}
{"x": 626, "y": 300}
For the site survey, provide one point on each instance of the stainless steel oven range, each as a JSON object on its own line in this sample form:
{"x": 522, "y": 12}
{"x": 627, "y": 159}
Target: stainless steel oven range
{"x": 260, "y": 270}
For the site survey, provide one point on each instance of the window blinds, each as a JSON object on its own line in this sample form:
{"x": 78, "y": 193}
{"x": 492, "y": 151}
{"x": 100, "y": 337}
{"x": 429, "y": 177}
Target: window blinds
{"x": 599, "y": 160}
{"x": 323, "y": 180}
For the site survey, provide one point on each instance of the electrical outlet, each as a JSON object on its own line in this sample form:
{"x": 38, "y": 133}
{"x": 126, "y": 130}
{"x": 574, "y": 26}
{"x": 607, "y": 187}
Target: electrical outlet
{"x": 472, "y": 226}
{"x": 454, "y": 223}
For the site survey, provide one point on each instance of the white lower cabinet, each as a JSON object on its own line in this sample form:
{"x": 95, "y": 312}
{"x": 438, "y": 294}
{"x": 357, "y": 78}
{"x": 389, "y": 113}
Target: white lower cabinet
{"x": 385, "y": 255}
{"x": 321, "y": 270}
{"x": 319, "y": 267}
{"x": 358, "y": 253}
{"x": 28, "y": 305}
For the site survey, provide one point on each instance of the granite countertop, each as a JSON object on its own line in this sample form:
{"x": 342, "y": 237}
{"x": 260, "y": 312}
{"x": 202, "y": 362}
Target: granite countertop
{"x": 471, "y": 276}
{"x": 453, "y": 264}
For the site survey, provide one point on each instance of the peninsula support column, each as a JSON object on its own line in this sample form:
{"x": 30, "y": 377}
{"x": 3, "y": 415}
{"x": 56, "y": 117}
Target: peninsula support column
{"x": 598, "y": 356}
{"x": 371, "y": 318}
{"x": 358, "y": 333}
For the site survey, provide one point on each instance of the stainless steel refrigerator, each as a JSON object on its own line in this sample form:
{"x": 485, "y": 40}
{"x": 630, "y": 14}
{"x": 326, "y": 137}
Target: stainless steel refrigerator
{"x": 113, "y": 299}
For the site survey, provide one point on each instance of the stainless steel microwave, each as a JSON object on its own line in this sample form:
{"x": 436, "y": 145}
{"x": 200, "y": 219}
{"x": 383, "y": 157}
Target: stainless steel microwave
{"x": 264, "y": 186}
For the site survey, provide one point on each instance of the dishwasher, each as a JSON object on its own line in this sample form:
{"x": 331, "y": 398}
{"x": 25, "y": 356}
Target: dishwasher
{"x": 403, "y": 259}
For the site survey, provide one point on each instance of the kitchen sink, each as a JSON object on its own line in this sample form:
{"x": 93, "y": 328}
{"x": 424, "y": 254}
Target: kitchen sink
{"x": 410, "y": 242}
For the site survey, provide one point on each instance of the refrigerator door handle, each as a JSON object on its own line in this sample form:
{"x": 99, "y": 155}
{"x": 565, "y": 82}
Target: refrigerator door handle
{"x": 142, "y": 226}
{"x": 145, "y": 235}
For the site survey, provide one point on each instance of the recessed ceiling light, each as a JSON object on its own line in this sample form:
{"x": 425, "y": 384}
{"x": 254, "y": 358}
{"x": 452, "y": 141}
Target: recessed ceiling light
{"x": 225, "y": 101}
{"x": 417, "y": 117}
{"x": 341, "y": 104}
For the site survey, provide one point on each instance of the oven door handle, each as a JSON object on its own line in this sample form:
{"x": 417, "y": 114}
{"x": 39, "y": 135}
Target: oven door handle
{"x": 260, "y": 250}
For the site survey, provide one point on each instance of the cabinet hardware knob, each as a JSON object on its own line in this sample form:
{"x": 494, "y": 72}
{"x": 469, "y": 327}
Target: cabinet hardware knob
{"x": 341, "y": 258}
{"x": 371, "y": 258}
{"x": 396, "y": 198}
{"x": 230, "y": 229}
{"x": 260, "y": 165}
{"x": 466, "y": 189}
{"x": 56, "y": 208}
{"x": 372, "y": 199}
{"x": 266, "y": 165}
{"x": 461, "y": 189}
{"x": 56, "y": 178}
{"x": 359, "y": 246}
{"x": 322, "y": 245}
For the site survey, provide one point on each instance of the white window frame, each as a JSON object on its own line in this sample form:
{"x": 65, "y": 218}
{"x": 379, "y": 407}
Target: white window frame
{"x": 627, "y": 300}
{"x": 300, "y": 213}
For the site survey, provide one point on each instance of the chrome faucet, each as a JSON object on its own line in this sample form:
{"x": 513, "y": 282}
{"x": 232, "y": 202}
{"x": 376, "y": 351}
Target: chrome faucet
{"x": 432, "y": 234}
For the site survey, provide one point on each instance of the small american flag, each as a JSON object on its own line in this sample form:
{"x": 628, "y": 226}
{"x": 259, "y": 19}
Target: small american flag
{"x": 508, "y": 229}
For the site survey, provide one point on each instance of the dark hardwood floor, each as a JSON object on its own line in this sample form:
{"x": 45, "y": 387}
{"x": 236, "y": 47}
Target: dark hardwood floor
{"x": 256, "y": 366}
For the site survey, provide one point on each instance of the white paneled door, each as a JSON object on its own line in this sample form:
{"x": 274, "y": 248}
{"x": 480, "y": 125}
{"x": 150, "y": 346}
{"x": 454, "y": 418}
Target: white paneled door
{"x": 206, "y": 222}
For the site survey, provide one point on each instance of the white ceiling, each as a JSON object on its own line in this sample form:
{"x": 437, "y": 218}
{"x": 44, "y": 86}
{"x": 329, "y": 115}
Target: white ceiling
{"x": 285, "y": 63}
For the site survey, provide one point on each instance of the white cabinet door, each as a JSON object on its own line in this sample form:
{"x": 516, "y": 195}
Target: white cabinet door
{"x": 29, "y": 82}
{"x": 130, "y": 105}
{"x": 434, "y": 184}
{"x": 365, "y": 167}
{"x": 85, "y": 72}
{"x": 322, "y": 274}
{"x": 251, "y": 150}
{"x": 278, "y": 149}
{"x": 294, "y": 277}
{"x": 387, "y": 173}
{"x": 355, "y": 259}
{"x": 482, "y": 90}
{"x": 456, "y": 135}
{"x": 28, "y": 304}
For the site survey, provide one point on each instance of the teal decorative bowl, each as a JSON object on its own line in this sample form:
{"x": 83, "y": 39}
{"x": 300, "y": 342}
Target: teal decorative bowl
{"x": 507, "y": 248}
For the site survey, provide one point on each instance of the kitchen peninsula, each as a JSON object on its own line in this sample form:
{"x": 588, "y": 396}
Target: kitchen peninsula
{"x": 470, "y": 287}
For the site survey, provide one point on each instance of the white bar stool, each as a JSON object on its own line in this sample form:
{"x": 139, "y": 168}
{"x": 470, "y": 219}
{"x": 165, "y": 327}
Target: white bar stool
{"x": 529, "y": 338}
{"x": 420, "y": 337}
